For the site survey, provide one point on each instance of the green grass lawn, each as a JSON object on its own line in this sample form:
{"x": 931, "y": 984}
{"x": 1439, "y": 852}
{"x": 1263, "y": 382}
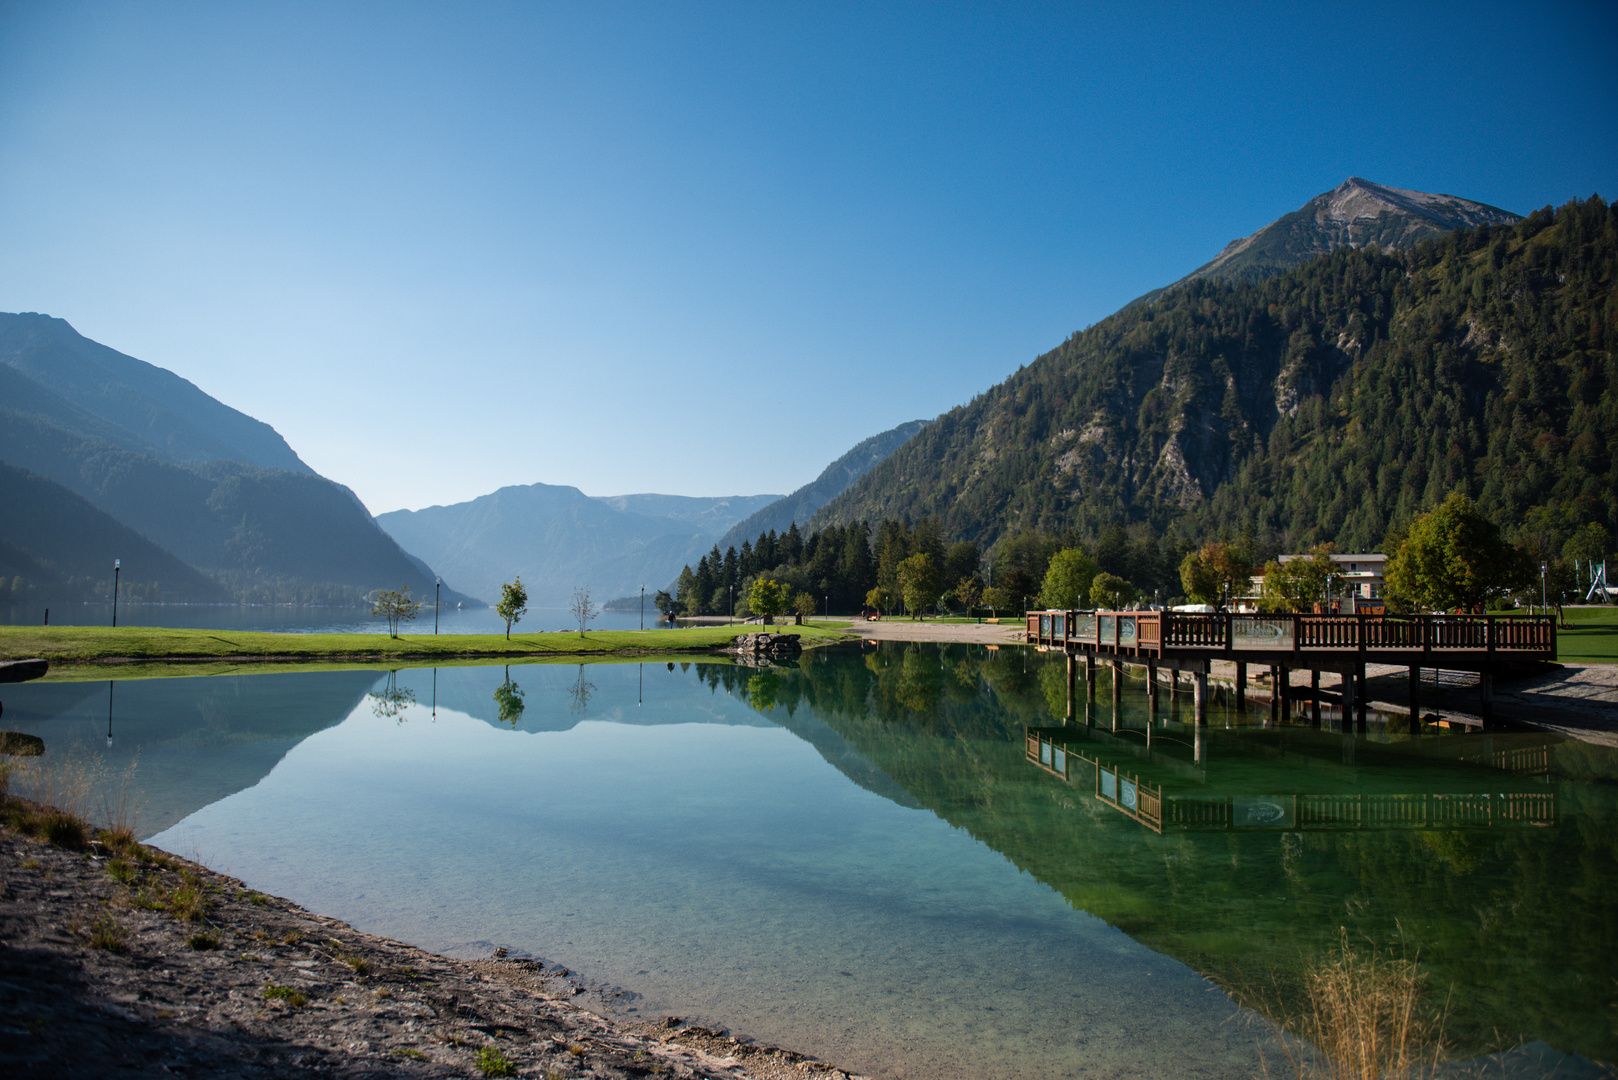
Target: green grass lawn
{"x": 1593, "y": 637}
{"x": 86, "y": 644}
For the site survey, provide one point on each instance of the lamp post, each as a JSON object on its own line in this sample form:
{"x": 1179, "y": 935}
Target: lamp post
{"x": 643, "y": 605}
{"x": 1542, "y": 602}
{"x": 117, "y": 565}
{"x": 436, "y": 583}
{"x": 732, "y": 605}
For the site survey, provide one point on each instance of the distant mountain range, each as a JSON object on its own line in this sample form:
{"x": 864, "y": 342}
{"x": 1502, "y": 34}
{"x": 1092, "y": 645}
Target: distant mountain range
{"x": 223, "y": 505}
{"x": 557, "y": 539}
{"x": 1354, "y": 214}
{"x": 801, "y": 505}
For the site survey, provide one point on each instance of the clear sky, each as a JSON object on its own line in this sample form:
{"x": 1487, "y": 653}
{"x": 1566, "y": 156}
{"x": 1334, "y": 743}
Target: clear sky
{"x": 704, "y": 249}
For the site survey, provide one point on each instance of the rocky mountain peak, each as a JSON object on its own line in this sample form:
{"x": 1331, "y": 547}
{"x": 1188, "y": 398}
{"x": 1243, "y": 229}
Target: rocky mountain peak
{"x": 1354, "y": 214}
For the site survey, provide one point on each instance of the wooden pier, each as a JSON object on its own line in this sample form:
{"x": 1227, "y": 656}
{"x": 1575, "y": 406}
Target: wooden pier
{"x": 1344, "y": 644}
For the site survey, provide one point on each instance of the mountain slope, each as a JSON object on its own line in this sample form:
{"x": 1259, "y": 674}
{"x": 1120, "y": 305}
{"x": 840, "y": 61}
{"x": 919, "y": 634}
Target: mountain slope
{"x": 187, "y": 473}
{"x": 1355, "y": 214}
{"x": 556, "y": 537}
{"x": 800, "y": 506}
{"x": 55, "y": 546}
{"x": 712, "y": 516}
{"x": 1331, "y": 403}
{"x": 173, "y": 419}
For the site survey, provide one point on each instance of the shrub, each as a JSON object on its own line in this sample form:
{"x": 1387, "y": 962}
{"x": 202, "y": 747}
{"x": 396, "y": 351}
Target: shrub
{"x": 491, "y": 1062}
{"x": 292, "y": 997}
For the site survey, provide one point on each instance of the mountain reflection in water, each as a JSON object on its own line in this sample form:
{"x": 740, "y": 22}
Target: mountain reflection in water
{"x": 900, "y": 858}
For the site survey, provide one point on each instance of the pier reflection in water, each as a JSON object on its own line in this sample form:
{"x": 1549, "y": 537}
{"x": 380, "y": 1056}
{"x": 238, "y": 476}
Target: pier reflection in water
{"x": 901, "y": 858}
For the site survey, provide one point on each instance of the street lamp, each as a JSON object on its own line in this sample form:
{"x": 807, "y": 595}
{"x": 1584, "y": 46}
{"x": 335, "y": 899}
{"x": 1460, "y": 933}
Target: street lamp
{"x": 732, "y": 605}
{"x": 643, "y": 605}
{"x": 436, "y": 583}
{"x": 117, "y": 565}
{"x": 1542, "y": 602}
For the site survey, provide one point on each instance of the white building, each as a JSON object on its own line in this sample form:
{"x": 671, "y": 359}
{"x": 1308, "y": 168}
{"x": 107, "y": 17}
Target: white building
{"x": 1362, "y": 578}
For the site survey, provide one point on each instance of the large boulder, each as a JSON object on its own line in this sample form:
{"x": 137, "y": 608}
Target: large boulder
{"x": 766, "y": 645}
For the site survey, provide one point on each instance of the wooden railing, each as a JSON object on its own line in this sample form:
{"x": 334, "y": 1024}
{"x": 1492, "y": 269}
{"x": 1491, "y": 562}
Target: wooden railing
{"x": 1154, "y": 632}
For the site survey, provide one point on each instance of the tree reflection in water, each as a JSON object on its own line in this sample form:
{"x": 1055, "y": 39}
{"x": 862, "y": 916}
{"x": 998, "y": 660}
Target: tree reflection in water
{"x": 392, "y": 699}
{"x": 508, "y": 699}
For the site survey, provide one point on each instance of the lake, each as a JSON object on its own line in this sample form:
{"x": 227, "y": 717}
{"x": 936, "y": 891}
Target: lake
{"x": 898, "y": 858}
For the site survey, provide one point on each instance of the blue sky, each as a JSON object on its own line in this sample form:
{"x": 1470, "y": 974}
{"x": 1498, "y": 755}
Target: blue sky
{"x": 705, "y": 248}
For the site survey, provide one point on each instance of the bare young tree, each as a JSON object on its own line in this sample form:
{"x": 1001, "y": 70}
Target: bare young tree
{"x": 395, "y": 606}
{"x": 583, "y": 608}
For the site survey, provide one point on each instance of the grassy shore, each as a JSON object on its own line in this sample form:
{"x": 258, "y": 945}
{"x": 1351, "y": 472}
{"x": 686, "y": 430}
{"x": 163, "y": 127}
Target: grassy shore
{"x": 1591, "y": 636}
{"x": 99, "y": 644}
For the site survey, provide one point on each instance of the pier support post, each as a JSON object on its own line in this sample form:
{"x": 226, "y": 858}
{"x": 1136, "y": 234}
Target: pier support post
{"x": 1283, "y": 691}
{"x": 1241, "y": 686}
{"x": 1151, "y": 687}
{"x": 1486, "y": 695}
{"x": 1072, "y": 679}
{"x": 1199, "y": 745}
{"x": 1362, "y": 695}
{"x": 1275, "y": 692}
{"x": 1200, "y": 702}
{"x": 1314, "y": 704}
{"x": 1415, "y": 701}
{"x": 1350, "y": 684}
{"x": 1090, "y": 674}
{"x": 1117, "y": 683}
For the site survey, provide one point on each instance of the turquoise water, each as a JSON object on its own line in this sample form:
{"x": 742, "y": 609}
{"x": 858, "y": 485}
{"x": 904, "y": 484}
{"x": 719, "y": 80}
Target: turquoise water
{"x": 898, "y": 859}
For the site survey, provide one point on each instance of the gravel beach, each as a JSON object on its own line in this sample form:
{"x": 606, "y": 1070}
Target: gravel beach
{"x": 130, "y": 962}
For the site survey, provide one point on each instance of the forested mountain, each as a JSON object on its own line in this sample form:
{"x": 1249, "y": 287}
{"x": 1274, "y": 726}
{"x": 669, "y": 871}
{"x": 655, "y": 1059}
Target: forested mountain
{"x": 1354, "y": 214}
{"x": 834, "y": 479}
{"x": 55, "y": 546}
{"x": 556, "y": 537}
{"x": 210, "y": 486}
{"x": 1333, "y": 402}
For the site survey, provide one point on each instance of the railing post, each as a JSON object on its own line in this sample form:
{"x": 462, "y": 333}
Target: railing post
{"x": 1488, "y": 633}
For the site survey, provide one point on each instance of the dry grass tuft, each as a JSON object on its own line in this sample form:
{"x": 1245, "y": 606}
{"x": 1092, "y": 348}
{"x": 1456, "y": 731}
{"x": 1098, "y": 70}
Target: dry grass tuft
{"x": 1369, "y": 1018}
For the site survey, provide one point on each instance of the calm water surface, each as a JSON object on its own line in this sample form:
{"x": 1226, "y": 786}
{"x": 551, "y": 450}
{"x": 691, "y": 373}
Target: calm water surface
{"x": 287, "y": 619}
{"x": 900, "y": 859}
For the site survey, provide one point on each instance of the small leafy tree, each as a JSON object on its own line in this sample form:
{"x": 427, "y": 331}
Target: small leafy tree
{"x": 804, "y": 603}
{"x": 878, "y": 598}
{"x": 1067, "y": 579}
{"x": 583, "y": 608}
{"x": 967, "y": 592}
{"x": 513, "y": 603}
{"x": 996, "y": 598}
{"x": 1216, "y": 573}
{"x": 395, "y": 606}
{"x": 1296, "y": 584}
{"x": 767, "y": 598}
{"x": 663, "y": 602}
{"x": 918, "y": 581}
{"x": 1110, "y": 592}
{"x": 1453, "y": 558}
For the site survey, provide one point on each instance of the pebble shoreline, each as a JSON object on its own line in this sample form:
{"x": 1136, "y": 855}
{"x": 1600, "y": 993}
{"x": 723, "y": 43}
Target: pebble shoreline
{"x": 282, "y": 991}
